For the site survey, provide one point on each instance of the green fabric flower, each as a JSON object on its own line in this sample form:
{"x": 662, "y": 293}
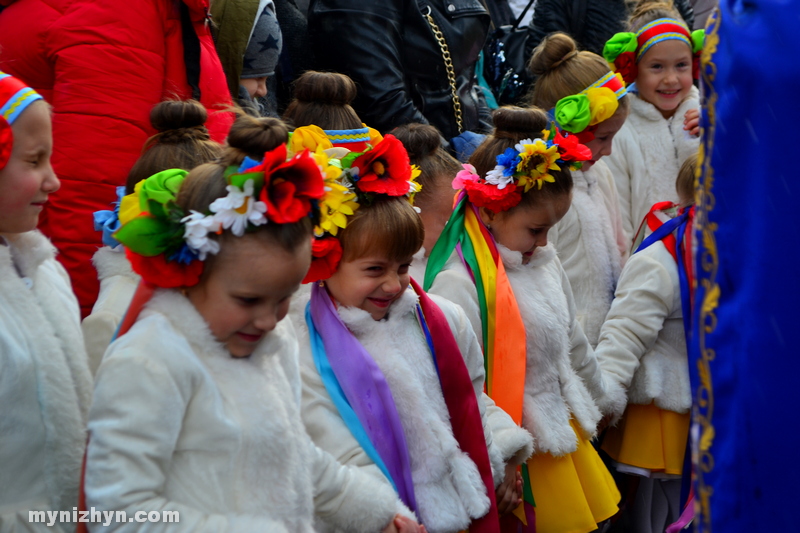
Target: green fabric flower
{"x": 573, "y": 113}
{"x": 698, "y": 37}
{"x": 620, "y": 43}
{"x": 159, "y": 191}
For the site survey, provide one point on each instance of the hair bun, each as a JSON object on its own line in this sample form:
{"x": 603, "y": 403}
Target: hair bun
{"x": 420, "y": 140}
{"x": 254, "y": 136}
{"x": 511, "y": 122}
{"x": 325, "y": 88}
{"x": 178, "y": 114}
{"x": 552, "y": 52}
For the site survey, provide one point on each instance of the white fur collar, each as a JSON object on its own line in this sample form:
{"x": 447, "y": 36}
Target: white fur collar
{"x": 649, "y": 112}
{"x": 358, "y": 321}
{"x": 513, "y": 260}
{"x": 26, "y": 251}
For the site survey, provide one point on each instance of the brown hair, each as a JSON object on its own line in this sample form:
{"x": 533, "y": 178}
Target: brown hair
{"x": 646, "y": 11}
{"x": 249, "y": 136}
{"x": 512, "y": 125}
{"x": 389, "y": 227}
{"x": 323, "y": 99}
{"x": 684, "y": 185}
{"x": 562, "y": 70}
{"x": 182, "y": 141}
{"x": 424, "y": 145}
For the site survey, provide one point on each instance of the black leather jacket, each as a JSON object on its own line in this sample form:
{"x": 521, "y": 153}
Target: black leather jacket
{"x": 389, "y": 49}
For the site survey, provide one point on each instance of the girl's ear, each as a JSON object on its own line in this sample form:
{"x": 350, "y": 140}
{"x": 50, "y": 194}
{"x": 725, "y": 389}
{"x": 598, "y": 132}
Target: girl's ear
{"x": 487, "y": 216}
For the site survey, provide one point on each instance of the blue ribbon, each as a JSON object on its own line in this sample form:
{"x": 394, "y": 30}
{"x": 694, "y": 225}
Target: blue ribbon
{"x": 108, "y": 221}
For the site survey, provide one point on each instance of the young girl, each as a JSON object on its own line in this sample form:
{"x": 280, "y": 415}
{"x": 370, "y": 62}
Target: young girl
{"x": 435, "y": 200}
{"x": 197, "y": 407}
{"x": 643, "y": 347}
{"x": 660, "y": 55}
{"x": 493, "y": 259}
{"x": 393, "y": 378}
{"x": 182, "y": 142}
{"x": 589, "y": 239}
{"x": 45, "y": 382}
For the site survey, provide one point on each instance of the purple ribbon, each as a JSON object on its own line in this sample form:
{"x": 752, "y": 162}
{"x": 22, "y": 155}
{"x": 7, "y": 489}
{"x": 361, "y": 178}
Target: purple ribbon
{"x": 366, "y": 390}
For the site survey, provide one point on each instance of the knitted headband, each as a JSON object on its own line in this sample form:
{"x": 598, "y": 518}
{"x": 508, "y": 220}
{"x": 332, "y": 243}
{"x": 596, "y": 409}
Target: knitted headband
{"x": 625, "y": 49}
{"x": 15, "y": 97}
{"x": 593, "y": 105}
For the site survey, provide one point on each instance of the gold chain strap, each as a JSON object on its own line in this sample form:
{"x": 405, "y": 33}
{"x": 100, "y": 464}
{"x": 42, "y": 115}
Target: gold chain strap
{"x": 448, "y": 65}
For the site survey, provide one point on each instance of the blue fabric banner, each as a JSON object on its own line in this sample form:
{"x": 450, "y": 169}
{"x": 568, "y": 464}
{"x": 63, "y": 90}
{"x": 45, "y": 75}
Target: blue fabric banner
{"x": 745, "y": 363}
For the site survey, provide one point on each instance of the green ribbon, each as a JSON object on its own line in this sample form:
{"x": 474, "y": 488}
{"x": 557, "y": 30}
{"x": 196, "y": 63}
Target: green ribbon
{"x": 159, "y": 191}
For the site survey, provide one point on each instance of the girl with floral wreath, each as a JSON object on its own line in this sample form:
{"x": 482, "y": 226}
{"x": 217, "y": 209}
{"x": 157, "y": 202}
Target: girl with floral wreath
{"x": 393, "y": 378}
{"x": 493, "y": 259}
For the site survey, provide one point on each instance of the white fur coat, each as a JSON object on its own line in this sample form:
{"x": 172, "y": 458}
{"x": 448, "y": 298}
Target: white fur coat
{"x": 45, "y": 384}
{"x": 563, "y": 379}
{"x": 447, "y": 485}
{"x": 178, "y": 424}
{"x": 117, "y": 285}
{"x": 642, "y": 344}
{"x": 647, "y": 154}
{"x": 592, "y": 246}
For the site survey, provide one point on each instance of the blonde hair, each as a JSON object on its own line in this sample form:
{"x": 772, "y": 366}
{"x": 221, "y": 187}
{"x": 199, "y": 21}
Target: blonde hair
{"x": 562, "y": 70}
{"x": 389, "y": 227}
{"x": 684, "y": 184}
{"x": 646, "y": 11}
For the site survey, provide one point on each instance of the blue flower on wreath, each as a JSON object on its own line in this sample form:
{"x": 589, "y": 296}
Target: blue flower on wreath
{"x": 108, "y": 221}
{"x": 184, "y": 255}
{"x": 509, "y": 161}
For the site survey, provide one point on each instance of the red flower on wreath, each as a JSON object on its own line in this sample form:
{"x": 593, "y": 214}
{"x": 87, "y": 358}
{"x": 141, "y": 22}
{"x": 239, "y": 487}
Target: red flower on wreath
{"x": 326, "y": 254}
{"x": 165, "y": 274}
{"x": 625, "y": 64}
{"x": 486, "y": 195}
{"x": 385, "y": 169}
{"x": 289, "y": 186}
{"x": 571, "y": 149}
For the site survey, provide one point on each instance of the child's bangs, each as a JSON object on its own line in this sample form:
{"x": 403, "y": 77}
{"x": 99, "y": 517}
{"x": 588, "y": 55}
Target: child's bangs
{"x": 388, "y": 228}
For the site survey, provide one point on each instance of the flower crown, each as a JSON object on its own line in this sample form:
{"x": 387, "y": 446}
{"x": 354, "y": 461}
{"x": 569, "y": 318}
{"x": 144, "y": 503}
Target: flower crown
{"x": 167, "y": 246}
{"x": 624, "y": 50}
{"x": 353, "y": 179}
{"x": 521, "y": 168}
{"x": 593, "y": 105}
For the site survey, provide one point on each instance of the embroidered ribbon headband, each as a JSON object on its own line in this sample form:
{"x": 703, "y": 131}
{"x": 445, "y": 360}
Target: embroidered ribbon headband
{"x": 624, "y": 50}
{"x": 521, "y": 168}
{"x": 593, "y": 105}
{"x": 168, "y": 247}
{"x": 15, "y": 97}
{"x": 353, "y": 179}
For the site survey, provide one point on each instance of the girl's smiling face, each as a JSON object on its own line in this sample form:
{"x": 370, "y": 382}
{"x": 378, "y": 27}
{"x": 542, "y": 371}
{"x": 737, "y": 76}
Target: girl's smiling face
{"x": 247, "y": 291}
{"x": 371, "y": 283}
{"x": 665, "y": 75}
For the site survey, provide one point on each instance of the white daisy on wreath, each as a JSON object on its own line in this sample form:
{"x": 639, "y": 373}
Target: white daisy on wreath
{"x": 198, "y": 226}
{"x": 238, "y": 208}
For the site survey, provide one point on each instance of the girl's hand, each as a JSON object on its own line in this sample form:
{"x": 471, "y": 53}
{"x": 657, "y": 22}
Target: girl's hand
{"x": 691, "y": 122}
{"x": 509, "y": 493}
{"x": 402, "y": 524}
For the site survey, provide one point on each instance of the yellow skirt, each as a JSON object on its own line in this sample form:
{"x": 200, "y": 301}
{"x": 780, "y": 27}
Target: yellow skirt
{"x": 650, "y": 438}
{"x": 573, "y": 493}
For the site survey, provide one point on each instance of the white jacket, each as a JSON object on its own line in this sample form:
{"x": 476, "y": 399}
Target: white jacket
{"x": 45, "y": 385}
{"x": 448, "y": 488}
{"x": 563, "y": 379}
{"x": 642, "y": 344}
{"x": 592, "y": 246}
{"x": 117, "y": 284}
{"x": 647, "y": 154}
{"x": 178, "y": 424}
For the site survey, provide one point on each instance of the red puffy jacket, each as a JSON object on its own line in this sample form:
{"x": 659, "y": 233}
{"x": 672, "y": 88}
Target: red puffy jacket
{"x": 103, "y": 65}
